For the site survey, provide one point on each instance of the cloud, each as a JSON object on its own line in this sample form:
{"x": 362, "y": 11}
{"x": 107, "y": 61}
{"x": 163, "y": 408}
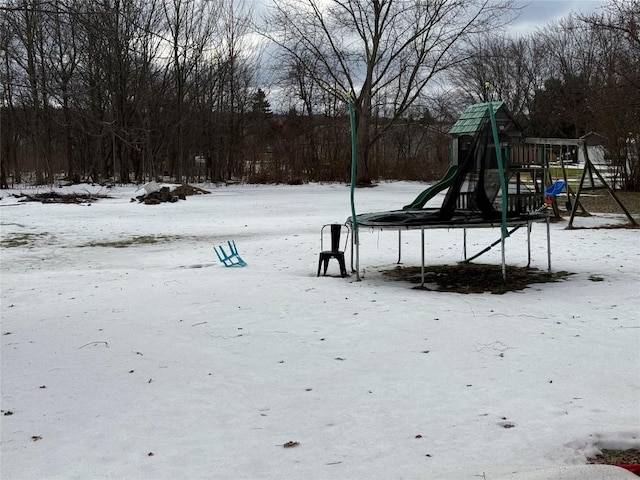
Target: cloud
{"x": 538, "y": 13}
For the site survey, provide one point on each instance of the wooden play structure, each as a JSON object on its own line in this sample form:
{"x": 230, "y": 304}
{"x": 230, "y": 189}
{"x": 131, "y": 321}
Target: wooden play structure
{"x": 497, "y": 178}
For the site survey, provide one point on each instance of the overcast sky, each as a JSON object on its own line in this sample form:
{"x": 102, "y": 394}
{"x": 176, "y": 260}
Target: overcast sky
{"x": 534, "y": 14}
{"x": 537, "y": 13}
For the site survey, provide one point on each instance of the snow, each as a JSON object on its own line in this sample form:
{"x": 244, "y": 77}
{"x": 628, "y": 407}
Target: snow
{"x": 154, "y": 361}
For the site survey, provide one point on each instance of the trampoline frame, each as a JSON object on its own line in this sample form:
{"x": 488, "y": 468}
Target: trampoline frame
{"x": 513, "y": 224}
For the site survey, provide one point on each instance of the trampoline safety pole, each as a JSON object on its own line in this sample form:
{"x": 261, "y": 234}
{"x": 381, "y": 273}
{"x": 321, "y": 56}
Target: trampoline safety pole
{"x": 503, "y": 185}
{"x": 354, "y": 221}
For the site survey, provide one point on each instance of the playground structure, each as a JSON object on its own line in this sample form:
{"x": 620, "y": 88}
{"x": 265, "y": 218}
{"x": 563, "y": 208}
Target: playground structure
{"x": 560, "y": 151}
{"x": 496, "y": 178}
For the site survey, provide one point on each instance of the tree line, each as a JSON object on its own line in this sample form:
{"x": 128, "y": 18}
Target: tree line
{"x": 219, "y": 91}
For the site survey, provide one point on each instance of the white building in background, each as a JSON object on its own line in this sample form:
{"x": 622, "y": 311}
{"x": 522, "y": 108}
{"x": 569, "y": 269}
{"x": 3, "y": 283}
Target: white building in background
{"x": 595, "y": 149}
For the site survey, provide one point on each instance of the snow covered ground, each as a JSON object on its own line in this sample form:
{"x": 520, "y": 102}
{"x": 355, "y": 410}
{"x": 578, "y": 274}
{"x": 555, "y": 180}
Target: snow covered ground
{"x": 128, "y": 351}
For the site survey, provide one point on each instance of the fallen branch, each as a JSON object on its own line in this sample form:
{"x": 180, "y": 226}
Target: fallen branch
{"x": 94, "y": 344}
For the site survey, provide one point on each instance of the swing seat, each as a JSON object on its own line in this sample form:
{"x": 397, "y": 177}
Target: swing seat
{"x": 231, "y": 259}
{"x": 555, "y": 188}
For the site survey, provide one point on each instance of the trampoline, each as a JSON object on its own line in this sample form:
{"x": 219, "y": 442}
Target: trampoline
{"x": 488, "y": 189}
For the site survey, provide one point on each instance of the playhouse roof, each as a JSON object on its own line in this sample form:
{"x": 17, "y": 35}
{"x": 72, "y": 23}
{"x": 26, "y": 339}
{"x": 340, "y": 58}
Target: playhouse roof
{"x": 593, "y": 139}
{"x": 471, "y": 120}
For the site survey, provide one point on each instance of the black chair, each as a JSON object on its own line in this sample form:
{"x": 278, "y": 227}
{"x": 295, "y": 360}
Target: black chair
{"x": 335, "y": 252}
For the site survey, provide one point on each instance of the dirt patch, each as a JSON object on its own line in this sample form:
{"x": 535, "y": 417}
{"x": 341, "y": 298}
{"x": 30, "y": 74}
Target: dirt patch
{"x": 21, "y": 239}
{"x": 604, "y": 203}
{"x": 617, "y": 457}
{"x": 131, "y": 242}
{"x": 55, "y": 197}
{"x": 601, "y": 202}
{"x": 473, "y": 277}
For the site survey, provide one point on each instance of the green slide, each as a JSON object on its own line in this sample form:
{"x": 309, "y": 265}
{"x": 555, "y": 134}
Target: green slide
{"x": 433, "y": 190}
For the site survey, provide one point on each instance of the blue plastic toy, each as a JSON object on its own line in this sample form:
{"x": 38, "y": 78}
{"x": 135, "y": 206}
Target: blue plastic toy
{"x": 555, "y": 188}
{"x": 231, "y": 259}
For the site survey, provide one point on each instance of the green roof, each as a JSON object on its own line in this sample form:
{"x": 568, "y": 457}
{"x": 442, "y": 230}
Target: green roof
{"x": 473, "y": 118}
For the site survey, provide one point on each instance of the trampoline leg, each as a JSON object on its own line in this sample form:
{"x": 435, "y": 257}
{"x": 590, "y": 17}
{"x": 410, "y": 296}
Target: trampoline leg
{"x": 528, "y": 244}
{"x": 352, "y": 269}
{"x": 422, "y": 246}
{"x": 504, "y": 266}
{"x": 548, "y": 245}
{"x": 356, "y": 239}
{"x": 358, "y": 262}
{"x": 464, "y": 242}
{"x": 399, "y": 245}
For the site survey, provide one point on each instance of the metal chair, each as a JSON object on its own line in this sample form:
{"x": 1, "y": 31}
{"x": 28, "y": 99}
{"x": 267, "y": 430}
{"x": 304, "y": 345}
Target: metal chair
{"x": 335, "y": 252}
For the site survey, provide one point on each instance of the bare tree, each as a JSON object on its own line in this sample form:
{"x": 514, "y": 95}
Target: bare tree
{"x": 384, "y": 52}
{"x": 616, "y": 33}
{"x": 26, "y": 21}
{"x": 622, "y": 20}
{"x": 235, "y": 69}
{"x": 8, "y": 78}
{"x": 63, "y": 61}
{"x": 190, "y": 25}
{"x": 113, "y": 46}
{"x": 308, "y": 107}
{"x": 499, "y": 68}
